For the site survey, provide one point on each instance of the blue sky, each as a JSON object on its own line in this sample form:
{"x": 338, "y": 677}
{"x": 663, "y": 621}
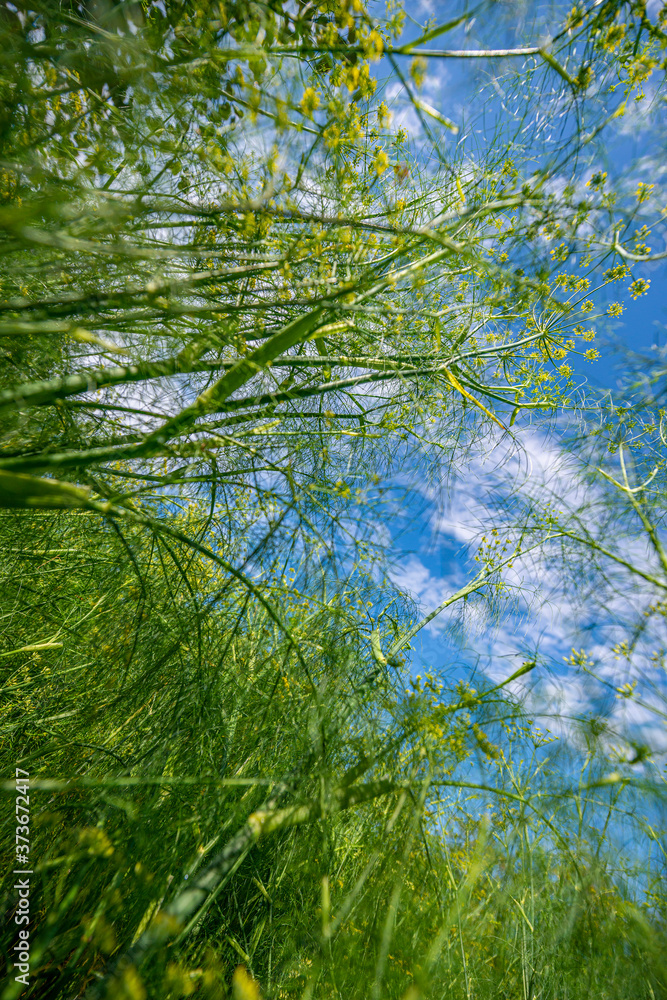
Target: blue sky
{"x": 433, "y": 554}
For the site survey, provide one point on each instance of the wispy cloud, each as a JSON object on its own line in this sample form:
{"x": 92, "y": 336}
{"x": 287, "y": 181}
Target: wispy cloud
{"x": 551, "y": 612}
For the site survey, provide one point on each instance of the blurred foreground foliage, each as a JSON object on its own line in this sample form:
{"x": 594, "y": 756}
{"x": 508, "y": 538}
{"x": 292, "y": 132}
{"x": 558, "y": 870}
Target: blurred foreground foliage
{"x": 235, "y": 306}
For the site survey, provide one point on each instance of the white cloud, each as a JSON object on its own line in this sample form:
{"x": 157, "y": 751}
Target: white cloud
{"x": 551, "y": 613}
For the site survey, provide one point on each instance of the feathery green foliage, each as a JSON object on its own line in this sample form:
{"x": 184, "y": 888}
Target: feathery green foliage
{"x": 236, "y": 305}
